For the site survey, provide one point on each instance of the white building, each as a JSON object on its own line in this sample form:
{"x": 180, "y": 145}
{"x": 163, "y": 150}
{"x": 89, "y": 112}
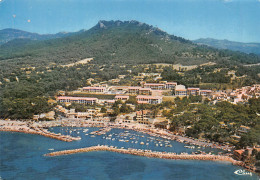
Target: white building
{"x": 180, "y": 90}
{"x": 141, "y": 99}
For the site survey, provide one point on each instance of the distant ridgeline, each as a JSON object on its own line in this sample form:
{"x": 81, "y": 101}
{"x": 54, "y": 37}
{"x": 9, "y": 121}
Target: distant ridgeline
{"x": 112, "y": 42}
{"x": 231, "y": 45}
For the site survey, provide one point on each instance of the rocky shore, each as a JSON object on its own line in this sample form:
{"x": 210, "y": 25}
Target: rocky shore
{"x": 16, "y": 126}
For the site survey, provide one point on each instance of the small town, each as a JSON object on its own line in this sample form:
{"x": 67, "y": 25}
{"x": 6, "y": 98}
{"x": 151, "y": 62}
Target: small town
{"x": 131, "y": 103}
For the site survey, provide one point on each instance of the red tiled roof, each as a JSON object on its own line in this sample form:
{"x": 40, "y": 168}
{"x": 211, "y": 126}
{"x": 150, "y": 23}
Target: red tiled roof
{"x": 142, "y": 102}
{"x": 148, "y": 97}
{"x": 193, "y": 88}
{"x": 76, "y": 98}
{"x": 240, "y": 151}
{"x": 145, "y": 89}
{"x": 154, "y": 84}
{"x": 175, "y": 83}
{"x": 134, "y": 87}
{"x": 205, "y": 90}
{"x": 94, "y": 87}
{"x": 121, "y": 96}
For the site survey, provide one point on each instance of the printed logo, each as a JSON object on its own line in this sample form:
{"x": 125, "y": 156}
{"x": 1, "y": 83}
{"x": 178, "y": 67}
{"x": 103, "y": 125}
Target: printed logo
{"x": 242, "y": 172}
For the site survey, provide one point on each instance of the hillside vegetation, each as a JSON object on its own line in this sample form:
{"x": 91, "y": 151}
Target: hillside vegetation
{"x": 31, "y": 71}
{"x": 118, "y": 42}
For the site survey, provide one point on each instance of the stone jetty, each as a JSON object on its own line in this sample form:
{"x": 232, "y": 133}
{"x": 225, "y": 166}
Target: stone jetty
{"x": 149, "y": 153}
{"x": 16, "y": 126}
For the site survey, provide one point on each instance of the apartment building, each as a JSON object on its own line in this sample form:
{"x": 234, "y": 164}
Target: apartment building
{"x": 180, "y": 90}
{"x": 170, "y": 85}
{"x": 193, "y": 91}
{"x": 81, "y": 100}
{"x": 206, "y": 93}
{"x": 155, "y": 86}
{"x": 94, "y": 89}
{"x": 143, "y": 99}
{"x": 164, "y": 85}
{"x": 121, "y": 97}
{"x": 144, "y": 116}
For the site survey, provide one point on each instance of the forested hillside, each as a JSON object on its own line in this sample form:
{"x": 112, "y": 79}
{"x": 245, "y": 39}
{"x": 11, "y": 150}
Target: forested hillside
{"x": 119, "y": 42}
{"x": 31, "y": 71}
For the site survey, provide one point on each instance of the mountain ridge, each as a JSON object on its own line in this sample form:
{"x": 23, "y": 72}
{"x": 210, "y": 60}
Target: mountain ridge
{"x": 120, "y": 42}
{"x": 251, "y": 47}
{"x": 9, "y": 34}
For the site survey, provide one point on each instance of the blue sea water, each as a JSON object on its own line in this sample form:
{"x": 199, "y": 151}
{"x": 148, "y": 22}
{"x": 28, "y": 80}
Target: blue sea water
{"x": 21, "y": 157}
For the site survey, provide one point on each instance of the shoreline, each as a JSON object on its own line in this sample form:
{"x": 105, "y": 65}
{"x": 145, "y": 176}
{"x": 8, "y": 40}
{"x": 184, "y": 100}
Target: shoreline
{"x": 38, "y": 128}
{"x": 29, "y": 128}
{"x": 149, "y": 154}
{"x": 22, "y": 127}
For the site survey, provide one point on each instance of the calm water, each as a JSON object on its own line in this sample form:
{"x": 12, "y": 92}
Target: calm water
{"x": 22, "y": 158}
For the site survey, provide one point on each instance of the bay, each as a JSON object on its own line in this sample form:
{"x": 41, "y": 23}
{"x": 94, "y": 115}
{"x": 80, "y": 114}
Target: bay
{"x": 21, "y": 157}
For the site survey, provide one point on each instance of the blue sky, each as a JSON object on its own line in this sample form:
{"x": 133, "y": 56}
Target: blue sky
{"x": 237, "y": 20}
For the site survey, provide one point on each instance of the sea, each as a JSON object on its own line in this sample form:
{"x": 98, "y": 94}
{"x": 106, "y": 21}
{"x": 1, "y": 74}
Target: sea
{"x": 22, "y": 157}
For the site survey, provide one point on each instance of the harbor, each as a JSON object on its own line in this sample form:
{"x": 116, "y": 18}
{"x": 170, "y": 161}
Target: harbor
{"x": 130, "y": 147}
{"x": 41, "y": 128}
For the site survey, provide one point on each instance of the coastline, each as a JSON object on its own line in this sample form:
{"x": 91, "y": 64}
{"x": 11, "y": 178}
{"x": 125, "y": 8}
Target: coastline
{"x": 22, "y": 127}
{"x": 38, "y": 128}
{"x": 33, "y": 127}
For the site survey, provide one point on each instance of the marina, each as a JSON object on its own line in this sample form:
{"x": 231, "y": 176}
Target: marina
{"x": 40, "y": 145}
{"x": 66, "y": 134}
{"x": 111, "y": 165}
{"x": 131, "y": 140}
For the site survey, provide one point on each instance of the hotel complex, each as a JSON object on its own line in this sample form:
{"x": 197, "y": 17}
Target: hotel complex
{"x": 153, "y": 93}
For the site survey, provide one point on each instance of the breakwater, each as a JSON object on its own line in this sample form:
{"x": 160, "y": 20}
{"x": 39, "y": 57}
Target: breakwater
{"x": 149, "y": 153}
{"x": 39, "y": 131}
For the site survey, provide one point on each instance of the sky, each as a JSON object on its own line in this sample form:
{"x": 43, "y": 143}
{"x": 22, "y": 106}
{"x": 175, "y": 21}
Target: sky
{"x": 236, "y": 20}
